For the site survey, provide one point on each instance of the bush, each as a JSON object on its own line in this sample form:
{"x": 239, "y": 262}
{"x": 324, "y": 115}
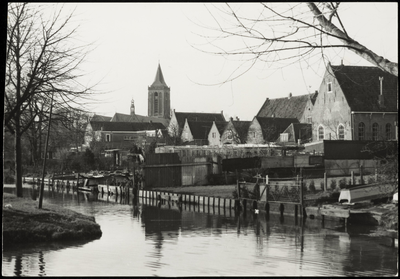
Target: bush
{"x": 311, "y": 187}
{"x": 234, "y": 194}
{"x": 371, "y": 180}
{"x": 349, "y": 181}
{"x": 342, "y": 183}
{"x": 9, "y": 179}
{"x": 333, "y": 184}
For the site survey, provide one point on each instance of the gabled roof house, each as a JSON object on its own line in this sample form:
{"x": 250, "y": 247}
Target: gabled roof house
{"x": 178, "y": 120}
{"x": 267, "y": 129}
{"x": 288, "y": 107}
{"x": 356, "y": 103}
{"x": 235, "y": 132}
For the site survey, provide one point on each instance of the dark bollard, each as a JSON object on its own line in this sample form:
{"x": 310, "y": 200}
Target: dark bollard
{"x": 281, "y": 208}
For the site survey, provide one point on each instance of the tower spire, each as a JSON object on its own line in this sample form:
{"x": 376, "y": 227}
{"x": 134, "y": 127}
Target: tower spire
{"x": 132, "y": 107}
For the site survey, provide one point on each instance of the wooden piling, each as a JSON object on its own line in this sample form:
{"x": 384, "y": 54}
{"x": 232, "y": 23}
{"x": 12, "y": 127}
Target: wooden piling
{"x": 352, "y": 182}
{"x": 325, "y": 182}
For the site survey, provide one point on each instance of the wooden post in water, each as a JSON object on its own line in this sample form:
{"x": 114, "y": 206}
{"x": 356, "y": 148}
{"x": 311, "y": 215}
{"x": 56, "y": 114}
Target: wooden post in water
{"x": 301, "y": 193}
{"x": 376, "y": 175}
{"x": 352, "y": 182}
{"x": 325, "y": 182}
{"x": 361, "y": 174}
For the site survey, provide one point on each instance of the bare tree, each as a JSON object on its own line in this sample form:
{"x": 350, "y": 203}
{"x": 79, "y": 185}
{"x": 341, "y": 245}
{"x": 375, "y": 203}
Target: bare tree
{"x": 284, "y": 33}
{"x": 42, "y": 71}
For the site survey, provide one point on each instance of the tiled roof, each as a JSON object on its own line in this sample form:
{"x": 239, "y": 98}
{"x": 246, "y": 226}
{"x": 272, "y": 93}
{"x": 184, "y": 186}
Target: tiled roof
{"x": 120, "y": 117}
{"x": 292, "y": 107}
{"x": 159, "y": 80}
{"x": 200, "y": 129}
{"x": 126, "y": 126}
{"x": 198, "y": 116}
{"x": 97, "y": 117}
{"x": 241, "y": 127}
{"x": 302, "y": 131}
{"x": 272, "y": 126}
{"x": 361, "y": 87}
{"x": 220, "y": 126}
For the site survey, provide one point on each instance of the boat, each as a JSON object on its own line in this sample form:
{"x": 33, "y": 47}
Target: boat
{"x": 366, "y": 192}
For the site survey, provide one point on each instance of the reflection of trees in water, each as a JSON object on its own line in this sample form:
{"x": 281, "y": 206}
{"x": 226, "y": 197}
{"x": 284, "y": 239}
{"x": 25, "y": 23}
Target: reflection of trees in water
{"x": 18, "y": 265}
{"x": 42, "y": 264}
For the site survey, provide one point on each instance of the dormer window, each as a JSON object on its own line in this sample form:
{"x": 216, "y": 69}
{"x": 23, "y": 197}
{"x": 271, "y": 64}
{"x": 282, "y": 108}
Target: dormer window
{"x": 329, "y": 88}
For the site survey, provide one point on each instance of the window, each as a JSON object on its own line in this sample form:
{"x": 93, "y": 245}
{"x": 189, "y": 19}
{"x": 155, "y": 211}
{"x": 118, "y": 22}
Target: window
{"x": 361, "y": 131}
{"x": 254, "y": 134}
{"x": 155, "y": 103}
{"x": 284, "y": 137}
{"x": 108, "y": 137}
{"x": 341, "y": 132}
{"x": 214, "y": 135}
{"x": 388, "y": 131}
{"x": 320, "y": 133}
{"x": 309, "y": 119}
{"x": 375, "y": 129}
{"x": 329, "y": 88}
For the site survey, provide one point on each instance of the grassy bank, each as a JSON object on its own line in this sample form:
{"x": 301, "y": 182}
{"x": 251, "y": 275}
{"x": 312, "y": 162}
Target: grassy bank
{"x": 24, "y": 222}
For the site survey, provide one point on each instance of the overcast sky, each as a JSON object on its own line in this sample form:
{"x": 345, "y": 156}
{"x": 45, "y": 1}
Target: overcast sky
{"x": 131, "y": 39}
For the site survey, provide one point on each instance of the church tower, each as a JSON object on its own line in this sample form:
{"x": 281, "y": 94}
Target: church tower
{"x": 132, "y": 107}
{"x": 159, "y": 103}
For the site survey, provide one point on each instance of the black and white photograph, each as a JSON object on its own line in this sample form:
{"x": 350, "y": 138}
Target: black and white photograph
{"x": 200, "y": 139}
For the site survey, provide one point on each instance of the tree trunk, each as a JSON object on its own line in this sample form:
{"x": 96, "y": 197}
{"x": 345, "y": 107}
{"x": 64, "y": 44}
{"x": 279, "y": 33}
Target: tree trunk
{"x": 18, "y": 156}
{"x": 353, "y": 45}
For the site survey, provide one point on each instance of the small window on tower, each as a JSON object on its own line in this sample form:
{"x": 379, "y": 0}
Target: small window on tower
{"x": 329, "y": 89}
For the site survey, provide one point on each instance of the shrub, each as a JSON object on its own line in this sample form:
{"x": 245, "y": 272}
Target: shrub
{"x": 342, "y": 183}
{"x": 9, "y": 179}
{"x": 234, "y": 194}
{"x": 371, "y": 180}
{"x": 333, "y": 184}
{"x": 349, "y": 181}
{"x": 311, "y": 187}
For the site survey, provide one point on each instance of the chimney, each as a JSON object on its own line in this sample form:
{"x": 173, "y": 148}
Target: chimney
{"x": 237, "y": 118}
{"x": 290, "y": 95}
{"x": 381, "y": 100}
{"x": 231, "y": 118}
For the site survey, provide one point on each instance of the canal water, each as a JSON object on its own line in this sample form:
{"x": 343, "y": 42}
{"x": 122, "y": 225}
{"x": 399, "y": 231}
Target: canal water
{"x": 148, "y": 240}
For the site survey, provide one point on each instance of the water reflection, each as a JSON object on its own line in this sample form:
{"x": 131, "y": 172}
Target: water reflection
{"x": 147, "y": 238}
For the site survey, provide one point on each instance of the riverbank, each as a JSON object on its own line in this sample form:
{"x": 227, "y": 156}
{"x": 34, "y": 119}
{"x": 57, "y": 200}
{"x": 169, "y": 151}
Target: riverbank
{"x": 24, "y": 222}
{"x": 386, "y": 215}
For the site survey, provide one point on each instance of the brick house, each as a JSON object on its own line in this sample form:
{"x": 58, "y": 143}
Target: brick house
{"x": 178, "y": 120}
{"x": 298, "y": 107}
{"x": 216, "y": 130}
{"x": 122, "y": 134}
{"x": 235, "y": 132}
{"x": 355, "y": 103}
{"x": 196, "y": 132}
{"x": 267, "y": 129}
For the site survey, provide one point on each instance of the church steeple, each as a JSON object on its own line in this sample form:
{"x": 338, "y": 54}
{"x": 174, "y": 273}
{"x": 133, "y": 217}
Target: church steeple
{"x": 159, "y": 97}
{"x": 132, "y": 107}
{"x": 159, "y": 80}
